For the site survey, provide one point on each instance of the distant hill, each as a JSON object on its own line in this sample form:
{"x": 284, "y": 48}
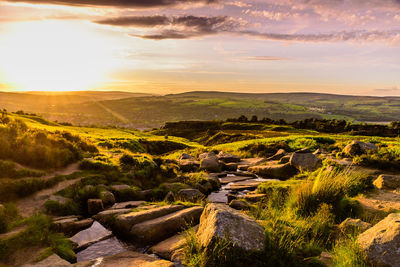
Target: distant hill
{"x": 146, "y": 111}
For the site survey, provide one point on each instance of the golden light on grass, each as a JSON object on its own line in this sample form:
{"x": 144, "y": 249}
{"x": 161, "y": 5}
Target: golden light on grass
{"x": 54, "y": 56}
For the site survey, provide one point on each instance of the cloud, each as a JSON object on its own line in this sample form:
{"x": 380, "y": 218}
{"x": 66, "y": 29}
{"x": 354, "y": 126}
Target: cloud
{"x": 175, "y": 27}
{"x": 115, "y": 3}
{"x": 266, "y": 58}
{"x": 387, "y": 90}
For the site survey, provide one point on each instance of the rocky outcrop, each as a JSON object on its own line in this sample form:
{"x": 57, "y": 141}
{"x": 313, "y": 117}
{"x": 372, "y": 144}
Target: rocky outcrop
{"x": 219, "y": 221}
{"x": 305, "y": 161}
{"x": 381, "y": 242}
{"x": 190, "y": 194}
{"x": 90, "y": 236}
{"x": 385, "y": 181}
{"x": 153, "y": 231}
{"x": 358, "y": 148}
{"x": 127, "y": 259}
{"x": 280, "y": 171}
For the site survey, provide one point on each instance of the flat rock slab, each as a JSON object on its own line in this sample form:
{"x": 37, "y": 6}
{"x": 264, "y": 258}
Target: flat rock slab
{"x": 153, "y": 231}
{"x": 125, "y": 222}
{"x": 244, "y": 185}
{"x": 167, "y": 247}
{"x": 128, "y": 204}
{"x": 254, "y": 197}
{"x": 127, "y": 259}
{"x": 252, "y": 161}
{"x": 110, "y": 246}
{"x": 233, "y": 179}
{"x": 91, "y": 235}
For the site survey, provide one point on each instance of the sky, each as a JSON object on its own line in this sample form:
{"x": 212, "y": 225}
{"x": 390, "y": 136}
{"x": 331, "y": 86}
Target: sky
{"x": 172, "y": 46}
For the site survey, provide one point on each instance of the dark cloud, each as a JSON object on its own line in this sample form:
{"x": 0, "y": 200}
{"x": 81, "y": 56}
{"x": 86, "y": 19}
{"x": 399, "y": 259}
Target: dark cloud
{"x": 136, "y": 21}
{"x": 181, "y": 27}
{"x": 116, "y": 3}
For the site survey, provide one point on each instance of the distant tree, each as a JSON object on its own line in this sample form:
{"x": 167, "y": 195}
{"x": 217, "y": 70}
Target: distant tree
{"x": 243, "y": 118}
{"x": 254, "y": 118}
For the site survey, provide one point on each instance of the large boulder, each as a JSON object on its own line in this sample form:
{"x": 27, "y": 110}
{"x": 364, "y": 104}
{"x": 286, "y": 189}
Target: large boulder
{"x": 228, "y": 158}
{"x": 305, "y": 161}
{"x": 385, "y": 181}
{"x": 280, "y": 171}
{"x": 219, "y": 221}
{"x": 382, "y": 241}
{"x": 358, "y": 148}
{"x": 209, "y": 162}
{"x": 190, "y": 194}
{"x": 153, "y": 231}
{"x": 94, "y": 206}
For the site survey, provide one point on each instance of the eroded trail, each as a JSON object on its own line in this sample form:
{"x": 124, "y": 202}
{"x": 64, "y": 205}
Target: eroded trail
{"x": 29, "y": 205}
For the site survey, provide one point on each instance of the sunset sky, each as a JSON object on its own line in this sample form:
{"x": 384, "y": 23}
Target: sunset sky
{"x": 171, "y": 46}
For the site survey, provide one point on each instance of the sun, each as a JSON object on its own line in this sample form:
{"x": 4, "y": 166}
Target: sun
{"x": 54, "y": 56}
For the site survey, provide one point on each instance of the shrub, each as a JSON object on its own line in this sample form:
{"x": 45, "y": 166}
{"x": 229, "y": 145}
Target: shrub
{"x": 8, "y": 215}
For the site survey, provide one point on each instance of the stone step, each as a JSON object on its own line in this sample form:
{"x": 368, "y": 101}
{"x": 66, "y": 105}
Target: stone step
{"x": 166, "y": 248}
{"x": 124, "y": 222}
{"x": 233, "y": 179}
{"x": 90, "y": 236}
{"x": 153, "y": 231}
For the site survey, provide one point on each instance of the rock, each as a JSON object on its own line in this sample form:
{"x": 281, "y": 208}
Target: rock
{"x": 71, "y": 226}
{"x": 227, "y": 158}
{"x": 280, "y": 171}
{"x": 239, "y": 205}
{"x": 190, "y": 194}
{"x": 215, "y": 183}
{"x": 243, "y": 167}
{"x": 358, "y": 148}
{"x": 230, "y": 166}
{"x": 284, "y": 159}
{"x": 244, "y": 185}
{"x": 61, "y": 200}
{"x": 52, "y": 261}
{"x": 326, "y": 258}
{"x": 219, "y": 220}
{"x": 125, "y": 222}
{"x": 381, "y": 242}
{"x": 128, "y": 204}
{"x": 120, "y": 187}
{"x": 278, "y": 155}
{"x": 153, "y": 231}
{"x": 205, "y": 188}
{"x": 209, "y": 162}
{"x": 102, "y": 248}
{"x": 252, "y": 161}
{"x": 254, "y": 197}
{"x": 170, "y": 197}
{"x": 188, "y": 165}
{"x": 167, "y": 247}
{"x": 305, "y": 161}
{"x": 145, "y": 194}
{"x": 108, "y": 198}
{"x": 231, "y": 197}
{"x": 206, "y": 155}
{"x": 385, "y": 181}
{"x": 233, "y": 179}
{"x": 127, "y": 259}
{"x": 94, "y": 206}
{"x": 319, "y": 151}
{"x": 349, "y": 225}
{"x": 185, "y": 156}
{"x": 91, "y": 235}
{"x": 107, "y": 217}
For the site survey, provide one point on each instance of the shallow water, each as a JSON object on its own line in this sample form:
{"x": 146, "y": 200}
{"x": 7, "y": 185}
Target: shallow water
{"x": 103, "y": 248}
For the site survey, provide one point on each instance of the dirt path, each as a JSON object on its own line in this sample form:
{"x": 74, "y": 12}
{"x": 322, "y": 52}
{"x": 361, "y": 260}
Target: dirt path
{"x": 29, "y": 205}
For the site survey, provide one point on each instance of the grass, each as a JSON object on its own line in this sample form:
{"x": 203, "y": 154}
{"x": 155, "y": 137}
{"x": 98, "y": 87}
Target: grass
{"x": 8, "y": 216}
{"x": 40, "y": 232}
{"x": 347, "y": 253}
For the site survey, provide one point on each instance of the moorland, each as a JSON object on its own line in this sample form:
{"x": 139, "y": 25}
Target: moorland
{"x": 267, "y": 192}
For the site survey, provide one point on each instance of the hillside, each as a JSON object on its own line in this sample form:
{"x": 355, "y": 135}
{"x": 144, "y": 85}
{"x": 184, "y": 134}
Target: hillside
{"x": 141, "y": 111}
